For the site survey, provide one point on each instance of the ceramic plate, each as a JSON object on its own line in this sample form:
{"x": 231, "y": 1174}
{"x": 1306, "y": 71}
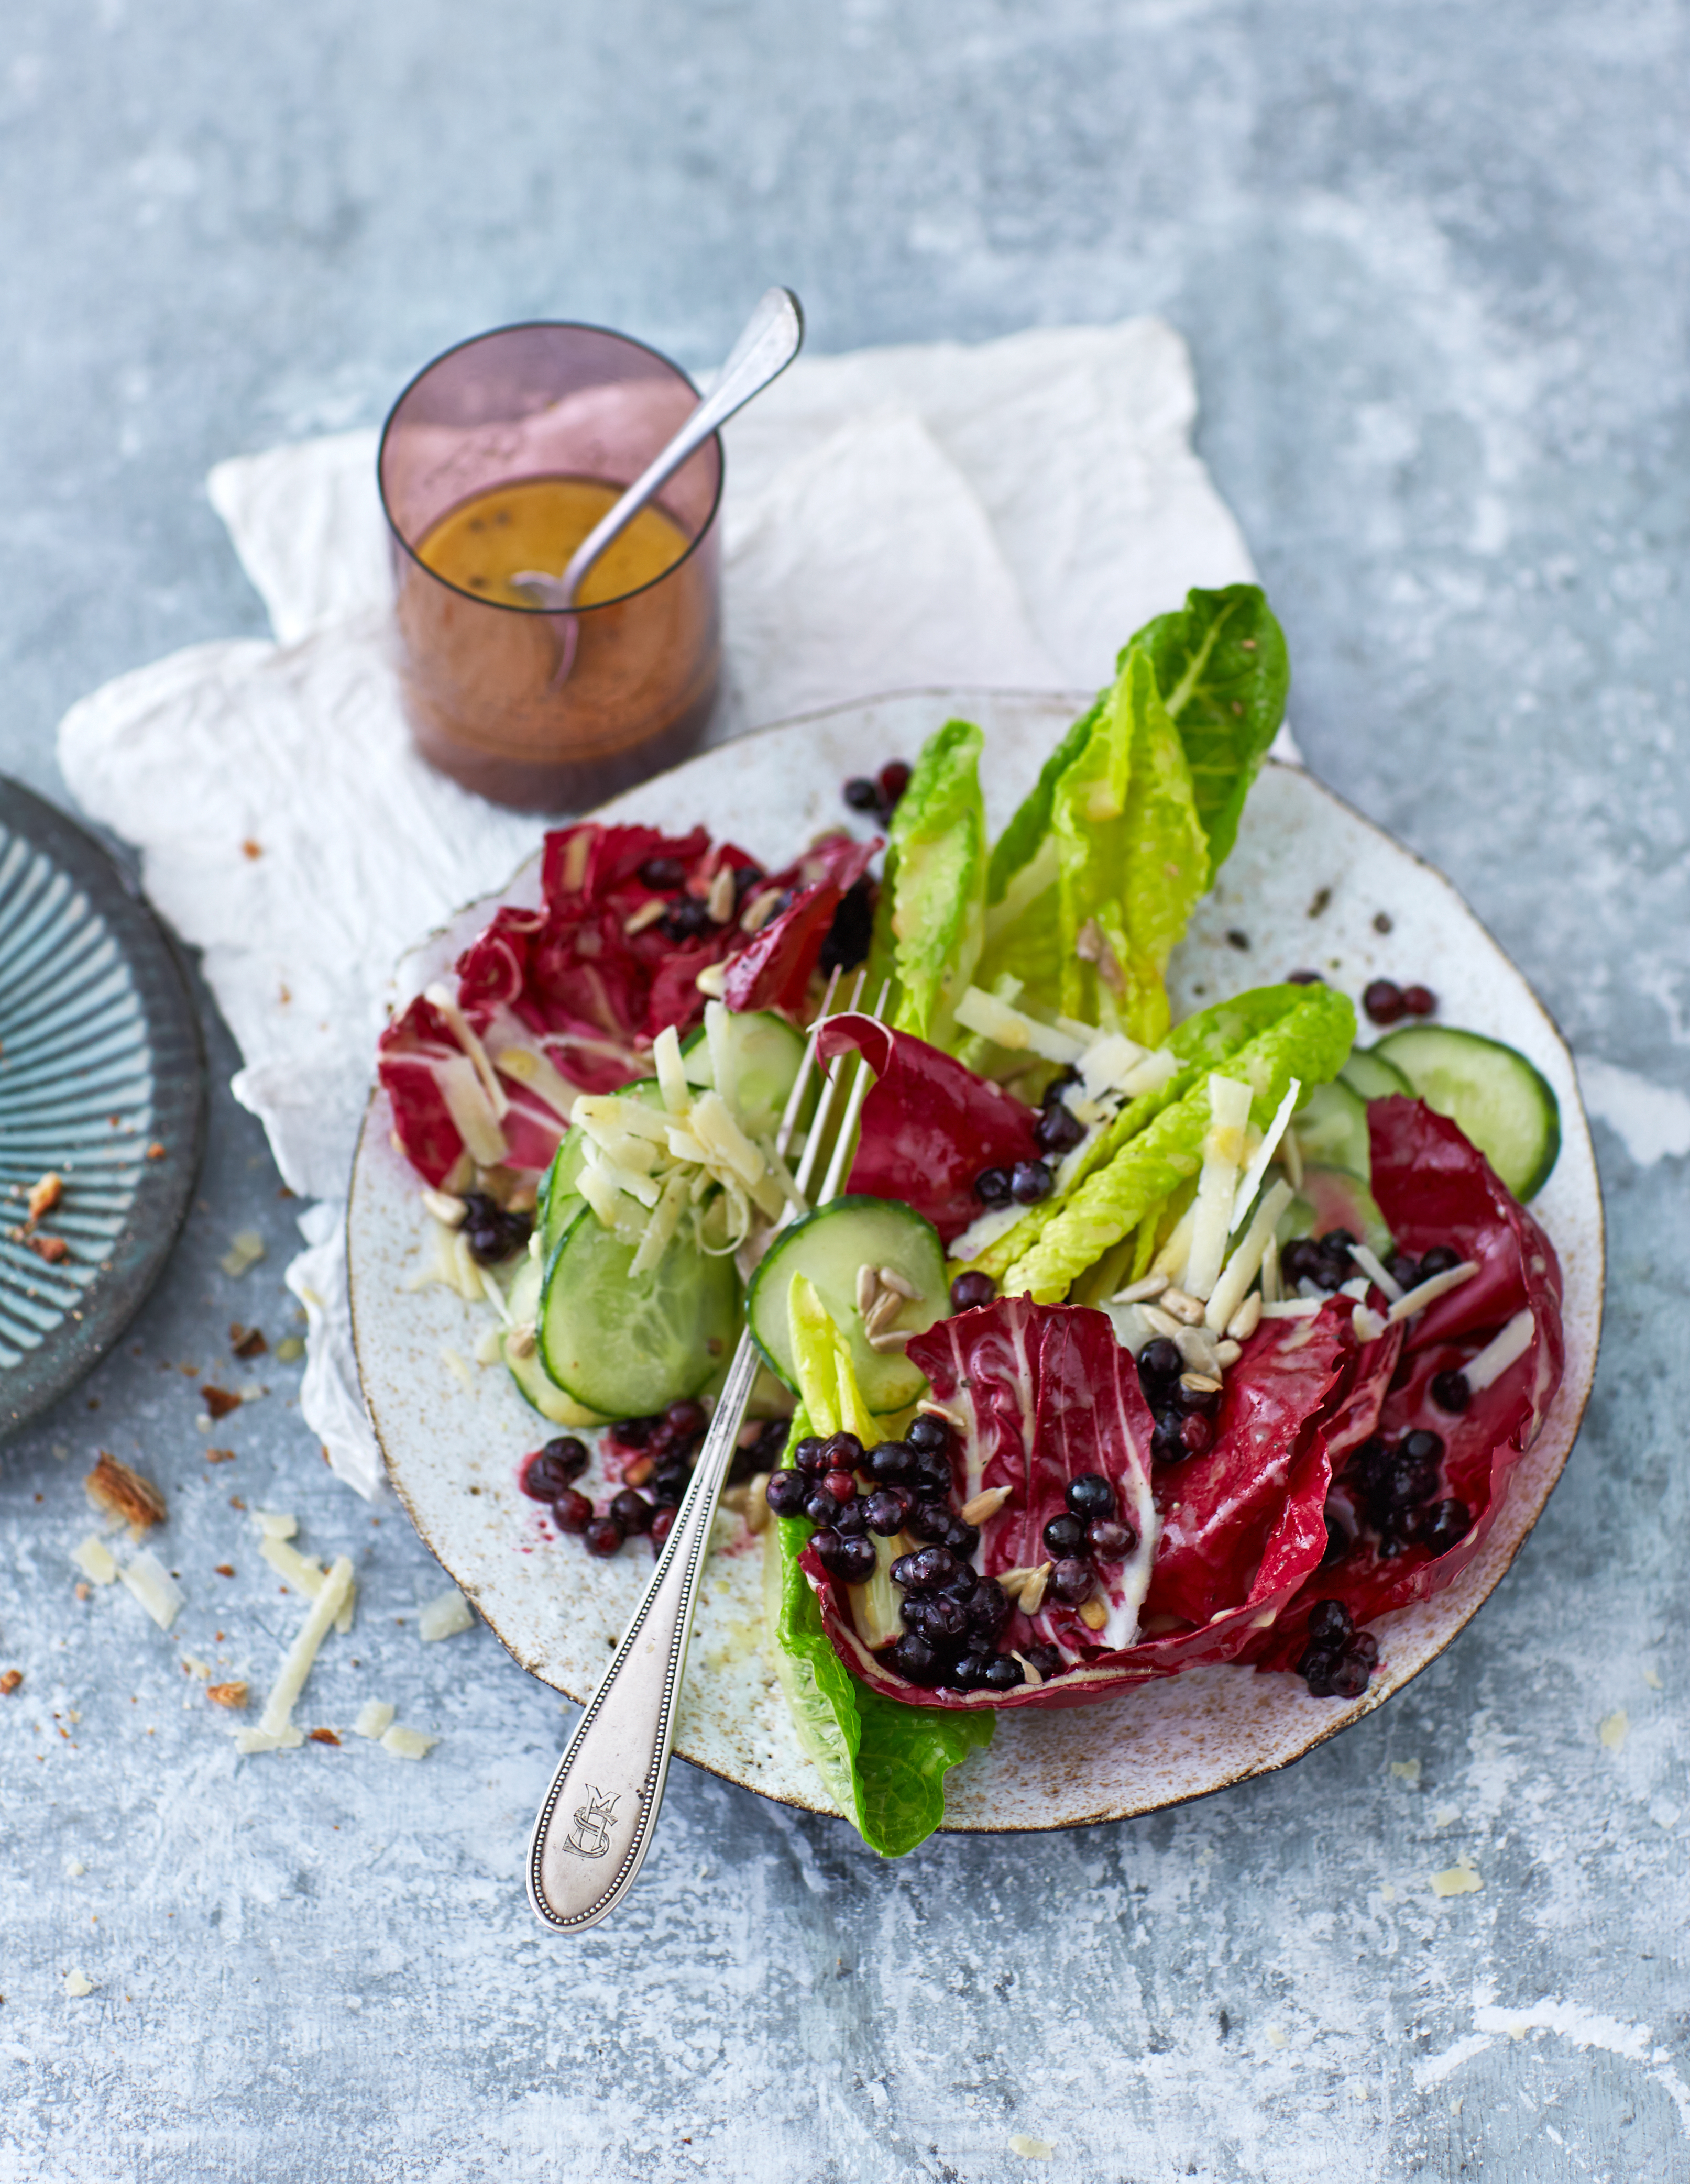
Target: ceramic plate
{"x": 1304, "y": 887}
{"x": 100, "y": 1062}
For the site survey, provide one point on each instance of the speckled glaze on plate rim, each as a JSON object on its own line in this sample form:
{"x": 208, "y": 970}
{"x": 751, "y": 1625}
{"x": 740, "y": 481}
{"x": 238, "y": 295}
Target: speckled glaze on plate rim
{"x": 1178, "y": 1739}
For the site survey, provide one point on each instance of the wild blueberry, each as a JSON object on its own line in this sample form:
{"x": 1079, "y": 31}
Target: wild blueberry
{"x": 961, "y": 1537}
{"x": 667, "y": 1487}
{"x": 1058, "y": 1129}
{"x": 990, "y": 1608}
{"x": 852, "y": 1519}
{"x": 861, "y": 794}
{"x": 885, "y": 1511}
{"x": 1424, "y": 1447}
{"x": 662, "y": 874}
{"x": 1419, "y": 1000}
{"x": 810, "y": 1456}
{"x": 940, "y": 1621}
{"x": 786, "y": 1492}
{"x": 928, "y": 1567}
{"x": 1196, "y": 1434}
{"x": 1403, "y": 1270}
{"x": 685, "y": 918}
{"x": 916, "y": 1661}
{"x": 968, "y": 1672}
{"x": 1338, "y": 1542}
{"x": 845, "y": 1451}
{"x": 1315, "y": 1668}
{"x": 1347, "y": 1678}
{"x": 1329, "y": 1623}
{"x": 850, "y": 1560}
{"x": 966, "y": 1583}
{"x": 602, "y": 1536}
{"x": 1443, "y": 1524}
{"x": 687, "y": 1419}
{"x": 1362, "y": 1645}
{"x": 927, "y": 1434}
{"x": 1090, "y": 1496}
{"x": 968, "y": 1292}
{"x": 1110, "y": 1539}
{"x": 1451, "y": 1393}
{"x": 1029, "y": 1181}
{"x": 632, "y": 1510}
{"x": 929, "y": 1520}
{"x": 894, "y": 780}
{"x": 1003, "y": 1674}
{"x": 930, "y": 1475}
{"x": 1440, "y": 1260}
{"x": 1072, "y": 1580}
{"x": 572, "y": 1512}
{"x": 1166, "y": 1444}
{"x": 847, "y": 939}
{"x": 820, "y": 1508}
{"x": 1409, "y": 1477}
{"x": 889, "y": 1461}
{"x": 662, "y": 1523}
{"x": 841, "y": 1484}
{"x": 1160, "y": 1366}
{"x": 1383, "y": 1001}
{"x": 992, "y": 1186}
{"x": 1064, "y": 1534}
{"x": 1046, "y": 1659}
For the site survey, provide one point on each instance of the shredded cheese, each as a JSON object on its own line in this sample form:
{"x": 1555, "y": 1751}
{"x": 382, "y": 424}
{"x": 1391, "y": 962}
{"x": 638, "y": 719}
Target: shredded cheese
{"x": 95, "y": 1559}
{"x": 276, "y": 1523}
{"x": 277, "y": 1717}
{"x": 995, "y": 1020}
{"x": 375, "y": 1719}
{"x": 154, "y": 1587}
{"x": 1228, "y": 1294}
{"x": 1218, "y": 1184}
{"x": 1495, "y": 1359}
{"x": 407, "y": 1743}
{"x": 1435, "y": 1286}
{"x": 671, "y": 1071}
{"x": 1251, "y": 1181}
{"x": 446, "y": 1616}
{"x": 1377, "y": 1272}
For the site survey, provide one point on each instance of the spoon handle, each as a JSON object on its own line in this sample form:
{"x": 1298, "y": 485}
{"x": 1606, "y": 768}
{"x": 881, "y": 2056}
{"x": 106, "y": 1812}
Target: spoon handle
{"x": 772, "y": 336}
{"x": 600, "y": 1813}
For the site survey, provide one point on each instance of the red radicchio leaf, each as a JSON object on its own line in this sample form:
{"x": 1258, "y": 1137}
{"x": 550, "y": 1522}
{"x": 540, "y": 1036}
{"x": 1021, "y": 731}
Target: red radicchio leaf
{"x": 930, "y": 1125}
{"x": 411, "y": 1051}
{"x": 1048, "y": 1393}
{"x": 1433, "y": 1187}
{"x": 774, "y": 971}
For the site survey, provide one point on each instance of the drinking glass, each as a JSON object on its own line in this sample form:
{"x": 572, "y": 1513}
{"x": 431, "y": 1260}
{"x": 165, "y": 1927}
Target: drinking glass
{"x": 545, "y": 711}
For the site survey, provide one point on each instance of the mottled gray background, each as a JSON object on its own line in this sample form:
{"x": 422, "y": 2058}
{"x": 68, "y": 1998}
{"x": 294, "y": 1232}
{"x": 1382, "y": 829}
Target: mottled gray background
{"x": 1431, "y": 259}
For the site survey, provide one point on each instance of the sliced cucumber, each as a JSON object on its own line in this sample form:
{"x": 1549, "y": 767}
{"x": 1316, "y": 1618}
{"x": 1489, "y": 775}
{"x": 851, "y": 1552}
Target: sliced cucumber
{"x": 627, "y": 1344}
{"x": 1494, "y": 1097}
{"x": 528, "y": 1372}
{"x": 829, "y": 1246}
{"x": 1333, "y": 1198}
{"x": 1368, "y": 1072}
{"x": 766, "y": 1057}
{"x": 1332, "y": 1129}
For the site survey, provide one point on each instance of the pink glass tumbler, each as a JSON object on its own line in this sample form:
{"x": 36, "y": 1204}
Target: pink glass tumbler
{"x": 544, "y": 712}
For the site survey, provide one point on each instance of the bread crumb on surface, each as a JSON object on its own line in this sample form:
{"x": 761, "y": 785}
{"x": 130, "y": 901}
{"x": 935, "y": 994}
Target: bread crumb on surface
{"x": 10, "y": 1681}
{"x": 232, "y": 1696}
{"x": 45, "y": 1194}
{"x": 323, "y": 1736}
{"x": 119, "y": 1491}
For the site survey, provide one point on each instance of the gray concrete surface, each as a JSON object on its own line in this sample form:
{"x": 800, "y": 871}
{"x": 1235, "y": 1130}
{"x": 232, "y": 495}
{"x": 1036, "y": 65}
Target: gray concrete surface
{"x": 1430, "y": 261}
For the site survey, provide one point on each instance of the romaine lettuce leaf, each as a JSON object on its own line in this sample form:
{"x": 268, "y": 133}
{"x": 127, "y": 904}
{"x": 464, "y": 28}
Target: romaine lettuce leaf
{"x": 1222, "y": 669}
{"x": 885, "y": 1763}
{"x": 930, "y": 919}
{"x": 1310, "y": 1041}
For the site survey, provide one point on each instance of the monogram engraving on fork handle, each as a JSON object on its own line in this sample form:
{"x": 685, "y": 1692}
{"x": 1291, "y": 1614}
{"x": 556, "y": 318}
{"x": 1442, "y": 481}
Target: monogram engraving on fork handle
{"x": 589, "y": 1836}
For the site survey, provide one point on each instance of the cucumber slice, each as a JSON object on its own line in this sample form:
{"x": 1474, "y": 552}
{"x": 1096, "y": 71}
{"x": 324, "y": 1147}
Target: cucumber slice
{"x": 627, "y": 1344}
{"x": 1333, "y": 1198}
{"x": 1368, "y": 1072}
{"x": 829, "y": 1246}
{"x": 1494, "y": 1097}
{"x": 1332, "y": 1129}
{"x": 767, "y": 1056}
{"x": 528, "y": 1372}
{"x": 560, "y": 1199}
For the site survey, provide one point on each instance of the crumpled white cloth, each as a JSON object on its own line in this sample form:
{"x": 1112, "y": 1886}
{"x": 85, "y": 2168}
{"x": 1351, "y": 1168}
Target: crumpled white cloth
{"x": 1000, "y": 514}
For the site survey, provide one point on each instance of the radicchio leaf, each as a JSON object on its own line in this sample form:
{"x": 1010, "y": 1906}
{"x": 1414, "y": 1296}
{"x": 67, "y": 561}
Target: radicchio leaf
{"x": 930, "y": 1125}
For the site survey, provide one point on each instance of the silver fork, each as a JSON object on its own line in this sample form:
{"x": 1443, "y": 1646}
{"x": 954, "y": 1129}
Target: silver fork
{"x": 599, "y": 1815}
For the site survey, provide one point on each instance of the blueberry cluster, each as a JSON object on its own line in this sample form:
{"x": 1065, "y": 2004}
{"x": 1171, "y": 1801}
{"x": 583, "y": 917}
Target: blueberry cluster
{"x": 1388, "y": 1003}
{"x": 1185, "y": 1404}
{"x": 666, "y": 1446}
{"x": 491, "y": 1234}
{"x": 1339, "y": 1659}
{"x": 1058, "y": 1129}
{"x": 878, "y": 798}
{"x": 951, "y": 1615}
{"x": 1324, "y": 1261}
{"x": 689, "y": 915}
{"x": 847, "y": 940}
{"x": 1087, "y": 1532}
{"x": 1397, "y": 1483}
{"x": 1025, "y": 1183}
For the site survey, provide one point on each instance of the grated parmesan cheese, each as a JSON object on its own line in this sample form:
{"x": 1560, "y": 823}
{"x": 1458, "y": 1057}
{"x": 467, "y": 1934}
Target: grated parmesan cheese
{"x": 1429, "y": 1291}
{"x": 1227, "y": 1295}
{"x": 154, "y": 1587}
{"x": 446, "y": 1616}
{"x": 276, "y": 1718}
{"x": 407, "y": 1743}
{"x": 1251, "y": 1181}
{"x": 307, "y": 1575}
{"x": 77, "y": 1984}
{"x": 1006, "y": 1026}
{"x": 375, "y": 1719}
{"x": 276, "y": 1523}
{"x": 1218, "y": 1184}
{"x": 1495, "y": 1359}
{"x": 95, "y": 1559}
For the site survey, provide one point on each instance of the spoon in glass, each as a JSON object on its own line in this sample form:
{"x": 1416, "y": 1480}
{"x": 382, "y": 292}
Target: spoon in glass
{"x": 773, "y": 335}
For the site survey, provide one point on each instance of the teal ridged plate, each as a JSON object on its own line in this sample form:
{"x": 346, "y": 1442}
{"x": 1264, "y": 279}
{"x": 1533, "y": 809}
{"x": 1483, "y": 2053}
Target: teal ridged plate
{"x": 103, "y": 1084}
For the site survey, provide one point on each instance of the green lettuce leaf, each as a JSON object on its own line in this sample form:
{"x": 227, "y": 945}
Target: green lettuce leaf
{"x": 1132, "y": 814}
{"x": 930, "y": 918}
{"x": 885, "y": 1763}
{"x": 1224, "y": 674}
{"x": 1201, "y": 1042}
{"x": 1311, "y": 1041}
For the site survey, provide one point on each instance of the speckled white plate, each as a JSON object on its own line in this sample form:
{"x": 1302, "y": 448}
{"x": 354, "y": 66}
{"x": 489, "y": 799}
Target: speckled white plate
{"x": 1308, "y": 885}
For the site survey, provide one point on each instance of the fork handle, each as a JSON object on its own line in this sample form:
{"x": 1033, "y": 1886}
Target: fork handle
{"x": 600, "y": 1813}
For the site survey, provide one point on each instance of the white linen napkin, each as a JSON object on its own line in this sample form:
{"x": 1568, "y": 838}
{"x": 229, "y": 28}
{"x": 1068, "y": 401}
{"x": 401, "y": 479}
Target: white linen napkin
{"x": 1003, "y": 515}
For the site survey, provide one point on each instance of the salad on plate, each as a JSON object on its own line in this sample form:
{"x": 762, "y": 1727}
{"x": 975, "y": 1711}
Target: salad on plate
{"x": 1111, "y": 1345}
